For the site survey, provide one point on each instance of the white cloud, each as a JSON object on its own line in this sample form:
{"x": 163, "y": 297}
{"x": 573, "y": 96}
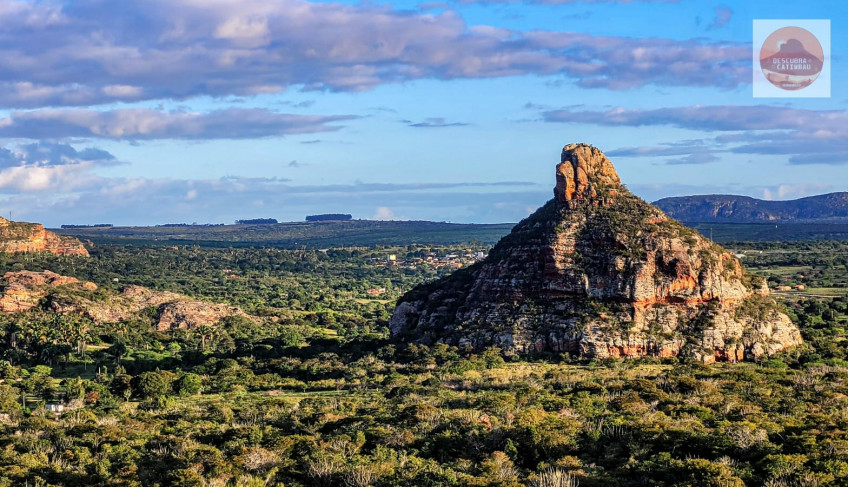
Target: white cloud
{"x": 383, "y": 213}
{"x": 795, "y": 191}
{"x": 96, "y": 51}
{"x": 142, "y": 123}
{"x": 56, "y": 183}
{"x": 805, "y": 136}
{"x": 246, "y": 32}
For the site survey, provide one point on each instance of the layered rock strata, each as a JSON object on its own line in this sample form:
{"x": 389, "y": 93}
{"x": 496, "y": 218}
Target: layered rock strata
{"x": 18, "y": 237}
{"x": 600, "y": 273}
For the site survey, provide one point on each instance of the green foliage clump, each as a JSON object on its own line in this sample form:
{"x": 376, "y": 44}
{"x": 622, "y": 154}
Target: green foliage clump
{"x": 188, "y": 385}
{"x": 152, "y": 385}
{"x": 758, "y": 308}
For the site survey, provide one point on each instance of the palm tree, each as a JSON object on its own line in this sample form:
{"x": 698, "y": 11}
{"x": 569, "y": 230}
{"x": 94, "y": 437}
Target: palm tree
{"x": 118, "y": 350}
{"x": 205, "y": 331}
{"x": 49, "y": 354}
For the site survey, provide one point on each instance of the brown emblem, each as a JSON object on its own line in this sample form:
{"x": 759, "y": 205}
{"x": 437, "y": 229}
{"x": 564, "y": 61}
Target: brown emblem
{"x": 791, "y": 58}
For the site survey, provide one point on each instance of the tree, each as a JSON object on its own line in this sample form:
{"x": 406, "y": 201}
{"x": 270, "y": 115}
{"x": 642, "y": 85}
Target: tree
{"x": 74, "y": 388}
{"x": 205, "y": 332}
{"x": 121, "y": 385}
{"x": 118, "y": 350}
{"x": 290, "y": 337}
{"x": 152, "y": 385}
{"x": 188, "y": 385}
{"x": 10, "y": 400}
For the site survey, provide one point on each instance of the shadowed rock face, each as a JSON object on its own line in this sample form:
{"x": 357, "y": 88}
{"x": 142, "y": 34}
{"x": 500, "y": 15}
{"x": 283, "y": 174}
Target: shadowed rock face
{"x": 598, "y": 272}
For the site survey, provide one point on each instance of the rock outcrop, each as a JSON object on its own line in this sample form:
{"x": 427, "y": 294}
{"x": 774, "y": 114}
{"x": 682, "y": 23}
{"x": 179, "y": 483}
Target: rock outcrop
{"x": 584, "y": 172}
{"x": 25, "y": 290}
{"x": 17, "y": 237}
{"x": 600, "y": 273}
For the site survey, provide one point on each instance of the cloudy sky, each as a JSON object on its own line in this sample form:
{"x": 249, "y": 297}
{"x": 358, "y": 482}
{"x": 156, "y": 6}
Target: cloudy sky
{"x": 153, "y": 111}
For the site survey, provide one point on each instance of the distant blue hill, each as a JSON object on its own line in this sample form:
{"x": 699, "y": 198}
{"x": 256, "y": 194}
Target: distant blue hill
{"x": 722, "y": 208}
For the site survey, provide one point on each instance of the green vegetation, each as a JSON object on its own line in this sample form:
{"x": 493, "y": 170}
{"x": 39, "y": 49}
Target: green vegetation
{"x": 772, "y": 232}
{"x": 317, "y": 393}
{"x": 299, "y": 235}
{"x": 821, "y": 267}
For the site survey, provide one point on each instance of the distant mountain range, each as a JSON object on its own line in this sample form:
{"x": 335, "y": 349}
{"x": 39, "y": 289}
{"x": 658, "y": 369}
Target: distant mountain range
{"x": 722, "y": 208}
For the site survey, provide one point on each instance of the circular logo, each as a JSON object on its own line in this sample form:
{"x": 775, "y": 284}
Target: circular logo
{"x": 791, "y": 58}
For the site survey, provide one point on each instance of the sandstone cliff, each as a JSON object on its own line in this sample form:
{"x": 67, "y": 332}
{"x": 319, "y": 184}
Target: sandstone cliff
{"x": 24, "y": 290}
{"x": 18, "y": 237}
{"x": 598, "y": 272}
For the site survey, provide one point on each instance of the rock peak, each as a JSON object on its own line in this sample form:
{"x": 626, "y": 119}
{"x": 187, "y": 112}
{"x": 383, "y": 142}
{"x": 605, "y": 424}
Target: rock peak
{"x": 597, "y": 272}
{"x": 584, "y": 172}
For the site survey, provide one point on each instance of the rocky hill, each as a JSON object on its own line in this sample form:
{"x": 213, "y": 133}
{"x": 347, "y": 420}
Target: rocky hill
{"x": 25, "y": 290}
{"x": 598, "y": 272}
{"x": 832, "y": 207}
{"x": 18, "y": 237}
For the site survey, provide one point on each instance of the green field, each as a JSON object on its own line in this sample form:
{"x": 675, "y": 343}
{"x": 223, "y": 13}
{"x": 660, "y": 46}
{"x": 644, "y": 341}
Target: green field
{"x": 827, "y": 291}
{"x": 317, "y": 235}
{"x": 311, "y": 235}
{"x": 769, "y": 232}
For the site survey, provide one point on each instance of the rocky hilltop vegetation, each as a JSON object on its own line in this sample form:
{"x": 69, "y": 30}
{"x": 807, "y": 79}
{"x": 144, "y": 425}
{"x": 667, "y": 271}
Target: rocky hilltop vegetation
{"x": 25, "y": 290}
{"x": 16, "y": 237}
{"x": 599, "y": 272}
{"x": 722, "y": 208}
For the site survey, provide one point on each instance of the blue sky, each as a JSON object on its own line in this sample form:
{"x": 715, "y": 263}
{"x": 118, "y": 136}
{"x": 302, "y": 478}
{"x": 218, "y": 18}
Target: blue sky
{"x": 146, "y": 112}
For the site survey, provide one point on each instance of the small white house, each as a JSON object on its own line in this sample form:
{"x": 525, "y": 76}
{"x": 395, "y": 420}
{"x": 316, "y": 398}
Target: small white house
{"x": 55, "y": 408}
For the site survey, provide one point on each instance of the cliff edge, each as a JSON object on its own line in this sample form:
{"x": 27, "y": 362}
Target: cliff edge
{"x": 18, "y": 237}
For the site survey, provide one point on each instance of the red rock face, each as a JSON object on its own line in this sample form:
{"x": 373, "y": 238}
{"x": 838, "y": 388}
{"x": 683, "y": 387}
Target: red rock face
{"x": 20, "y": 237}
{"x": 600, "y": 273}
{"x": 582, "y": 171}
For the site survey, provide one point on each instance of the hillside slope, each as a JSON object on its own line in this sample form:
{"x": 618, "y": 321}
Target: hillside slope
{"x": 27, "y": 290}
{"x": 832, "y": 207}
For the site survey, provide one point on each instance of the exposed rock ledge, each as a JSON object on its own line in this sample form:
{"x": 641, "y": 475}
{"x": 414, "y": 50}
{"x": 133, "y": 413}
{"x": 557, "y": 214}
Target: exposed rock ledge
{"x": 24, "y": 290}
